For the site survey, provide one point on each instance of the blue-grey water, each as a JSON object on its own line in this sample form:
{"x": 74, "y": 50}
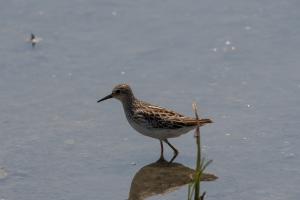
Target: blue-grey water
{"x": 239, "y": 60}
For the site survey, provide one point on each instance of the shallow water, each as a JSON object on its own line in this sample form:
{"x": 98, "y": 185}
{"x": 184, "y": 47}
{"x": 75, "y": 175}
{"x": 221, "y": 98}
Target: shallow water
{"x": 238, "y": 59}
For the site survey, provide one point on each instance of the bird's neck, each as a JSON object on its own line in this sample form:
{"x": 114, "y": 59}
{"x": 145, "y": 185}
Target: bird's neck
{"x": 128, "y": 104}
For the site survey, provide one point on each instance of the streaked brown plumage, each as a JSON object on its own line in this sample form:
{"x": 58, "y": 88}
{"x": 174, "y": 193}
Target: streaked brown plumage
{"x": 153, "y": 121}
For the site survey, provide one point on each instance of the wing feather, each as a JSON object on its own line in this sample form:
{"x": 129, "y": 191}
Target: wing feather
{"x": 157, "y": 117}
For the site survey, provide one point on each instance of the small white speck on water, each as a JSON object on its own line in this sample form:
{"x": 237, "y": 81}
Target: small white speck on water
{"x": 263, "y": 133}
{"x": 248, "y": 105}
{"x": 224, "y": 116}
{"x": 55, "y": 117}
{"x": 211, "y": 84}
{"x": 247, "y": 28}
{"x": 214, "y": 49}
{"x": 133, "y": 163}
{"x": 84, "y": 154}
{"x": 289, "y": 155}
{"x": 69, "y": 141}
{"x": 286, "y": 142}
{"x": 227, "y": 42}
{"x": 122, "y": 73}
{"x": 233, "y": 48}
{"x": 114, "y": 13}
{"x": 228, "y": 134}
{"x": 53, "y": 76}
{"x": 99, "y": 145}
{"x": 3, "y": 173}
{"x": 41, "y": 12}
{"x": 227, "y": 68}
{"x": 245, "y": 138}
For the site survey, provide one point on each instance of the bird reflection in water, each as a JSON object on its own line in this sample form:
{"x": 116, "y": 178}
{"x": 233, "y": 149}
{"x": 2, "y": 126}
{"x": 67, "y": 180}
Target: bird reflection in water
{"x": 160, "y": 178}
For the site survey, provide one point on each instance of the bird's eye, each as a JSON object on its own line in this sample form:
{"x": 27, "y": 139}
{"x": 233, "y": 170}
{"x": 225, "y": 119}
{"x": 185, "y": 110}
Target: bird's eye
{"x": 118, "y": 91}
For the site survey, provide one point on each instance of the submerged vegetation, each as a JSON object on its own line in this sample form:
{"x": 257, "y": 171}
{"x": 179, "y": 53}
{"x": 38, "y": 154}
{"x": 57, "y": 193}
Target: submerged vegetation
{"x": 194, "y": 191}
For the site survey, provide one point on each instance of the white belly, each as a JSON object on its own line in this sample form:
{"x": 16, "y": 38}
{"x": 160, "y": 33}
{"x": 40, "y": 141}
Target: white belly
{"x": 159, "y": 133}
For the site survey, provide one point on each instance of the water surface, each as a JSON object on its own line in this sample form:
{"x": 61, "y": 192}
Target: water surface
{"x": 238, "y": 59}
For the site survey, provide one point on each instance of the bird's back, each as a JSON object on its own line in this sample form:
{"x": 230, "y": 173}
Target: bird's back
{"x": 156, "y": 117}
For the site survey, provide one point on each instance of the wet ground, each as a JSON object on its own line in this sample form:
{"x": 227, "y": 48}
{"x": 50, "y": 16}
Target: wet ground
{"x": 238, "y": 59}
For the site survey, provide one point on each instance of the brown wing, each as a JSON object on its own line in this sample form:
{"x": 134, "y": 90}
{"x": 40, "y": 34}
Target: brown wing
{"x": 158, "y": 117}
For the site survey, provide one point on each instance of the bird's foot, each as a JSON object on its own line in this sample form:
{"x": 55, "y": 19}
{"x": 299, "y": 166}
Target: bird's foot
{"x": 161, "y": 160}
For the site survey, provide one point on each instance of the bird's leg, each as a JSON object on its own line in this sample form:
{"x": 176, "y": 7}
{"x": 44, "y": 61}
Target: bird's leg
{"x": 161, "y": 159}
{"x": 174, "y": 149}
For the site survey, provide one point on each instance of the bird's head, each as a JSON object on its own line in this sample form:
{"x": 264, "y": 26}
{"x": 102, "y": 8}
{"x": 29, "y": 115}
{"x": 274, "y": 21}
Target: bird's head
{"x": 121, "y": 92}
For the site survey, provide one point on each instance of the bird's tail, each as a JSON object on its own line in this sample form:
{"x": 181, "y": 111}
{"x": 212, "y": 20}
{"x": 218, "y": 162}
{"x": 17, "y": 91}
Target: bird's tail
{"x": 204, "y": 121}
{"x": 201, "y": 122}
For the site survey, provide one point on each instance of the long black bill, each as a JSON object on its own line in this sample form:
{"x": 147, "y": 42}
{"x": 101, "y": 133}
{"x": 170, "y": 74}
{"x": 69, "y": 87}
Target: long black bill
{"x": 104, "y": 98}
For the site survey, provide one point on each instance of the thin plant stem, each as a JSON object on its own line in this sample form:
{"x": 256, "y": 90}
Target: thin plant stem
{"x": 198, "y": 162}
{"x": 201, "y": 164}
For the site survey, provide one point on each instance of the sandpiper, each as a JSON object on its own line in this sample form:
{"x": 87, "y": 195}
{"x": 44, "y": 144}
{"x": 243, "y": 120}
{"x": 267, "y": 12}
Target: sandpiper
{"x": 34, "y": 40}
{"x": 154, "y": 121}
